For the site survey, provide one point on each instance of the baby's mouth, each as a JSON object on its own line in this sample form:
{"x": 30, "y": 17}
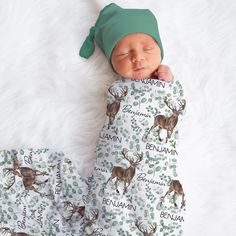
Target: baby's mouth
{"x": 138, "y": 68}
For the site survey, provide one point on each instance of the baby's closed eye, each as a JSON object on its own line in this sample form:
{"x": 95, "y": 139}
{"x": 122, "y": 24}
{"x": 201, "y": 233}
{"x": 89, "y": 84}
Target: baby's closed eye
{"x": 148, "y": 49}
{"x": 122, "y": 54}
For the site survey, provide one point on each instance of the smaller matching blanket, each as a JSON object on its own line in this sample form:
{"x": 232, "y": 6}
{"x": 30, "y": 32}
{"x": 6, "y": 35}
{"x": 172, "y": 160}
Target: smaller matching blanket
{"x": 41, "y": 193}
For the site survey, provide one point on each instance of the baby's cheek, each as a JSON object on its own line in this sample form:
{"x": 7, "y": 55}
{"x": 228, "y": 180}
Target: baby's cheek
{"x": 125, "y": 70}
{"x": 154, "y": 65}
{"x": 126, "y": 66}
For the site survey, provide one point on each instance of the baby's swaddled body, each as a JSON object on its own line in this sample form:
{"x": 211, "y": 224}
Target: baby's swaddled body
{"x": 134, "y": 188}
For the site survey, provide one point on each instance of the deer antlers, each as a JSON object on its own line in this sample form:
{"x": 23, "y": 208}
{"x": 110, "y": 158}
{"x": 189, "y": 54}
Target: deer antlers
{"x": 125, "y": 156}
{"x": 73, "y": 209}
{"x": 147, "y": 231}
{"x": 139, "y": 156}
{"x": 68, "y": 204}
{"x": 94, "y": 216}
{"x": 12, "y": 179}
{"x": 123, "y": 92}
{"x": 5, "y": 230}
{"x": 181, "y": 105}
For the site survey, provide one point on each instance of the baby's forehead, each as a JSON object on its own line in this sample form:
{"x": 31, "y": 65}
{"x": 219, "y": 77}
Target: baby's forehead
{"x": 135, "y": 38}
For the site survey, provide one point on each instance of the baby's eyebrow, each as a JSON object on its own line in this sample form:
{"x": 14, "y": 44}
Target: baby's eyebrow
{"x": 122, "y": 46}
{"x": 121, "y": 50}
{"x": 148, "y": 42}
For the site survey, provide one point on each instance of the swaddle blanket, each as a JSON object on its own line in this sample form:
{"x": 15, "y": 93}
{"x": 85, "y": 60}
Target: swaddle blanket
{"x": 134, "y": 188}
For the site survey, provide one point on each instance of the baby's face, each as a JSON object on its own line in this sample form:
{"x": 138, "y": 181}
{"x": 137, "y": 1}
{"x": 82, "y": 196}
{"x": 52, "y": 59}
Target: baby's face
{"x": 136, "y": 56}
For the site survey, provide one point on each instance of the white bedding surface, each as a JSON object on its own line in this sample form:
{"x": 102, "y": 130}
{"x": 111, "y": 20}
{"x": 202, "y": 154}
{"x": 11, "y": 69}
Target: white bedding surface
{"x": 52, "y": 98}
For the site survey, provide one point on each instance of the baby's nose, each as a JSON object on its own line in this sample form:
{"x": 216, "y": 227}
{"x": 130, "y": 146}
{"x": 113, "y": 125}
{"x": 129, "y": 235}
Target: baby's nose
{"x": 137, "y": 57}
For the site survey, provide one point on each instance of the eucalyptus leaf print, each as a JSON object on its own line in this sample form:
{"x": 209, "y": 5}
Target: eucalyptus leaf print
{"x": 137, "y": 189}
{"x": 134, "y": 187}
{"x": 41, "y": 193}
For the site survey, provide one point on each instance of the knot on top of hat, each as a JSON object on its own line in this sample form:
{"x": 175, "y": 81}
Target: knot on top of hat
{"x": 88, "y": 46}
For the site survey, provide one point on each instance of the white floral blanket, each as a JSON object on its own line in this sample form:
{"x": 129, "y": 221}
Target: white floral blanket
{"x": 134, "y": 188}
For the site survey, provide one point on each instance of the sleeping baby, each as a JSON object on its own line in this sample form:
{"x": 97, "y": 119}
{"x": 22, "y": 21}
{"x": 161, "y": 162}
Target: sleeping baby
{"x": 134, "y": 188}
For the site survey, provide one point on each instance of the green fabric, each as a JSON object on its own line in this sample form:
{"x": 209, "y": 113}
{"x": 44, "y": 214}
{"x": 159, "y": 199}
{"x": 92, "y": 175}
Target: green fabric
{"x": 114, "y": 23}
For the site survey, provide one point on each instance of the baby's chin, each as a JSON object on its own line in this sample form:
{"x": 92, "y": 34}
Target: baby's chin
{"x": 139, "y": 75}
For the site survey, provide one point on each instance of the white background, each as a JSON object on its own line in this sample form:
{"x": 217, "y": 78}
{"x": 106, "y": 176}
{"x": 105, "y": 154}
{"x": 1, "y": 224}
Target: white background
{"x": 50, "y": 97}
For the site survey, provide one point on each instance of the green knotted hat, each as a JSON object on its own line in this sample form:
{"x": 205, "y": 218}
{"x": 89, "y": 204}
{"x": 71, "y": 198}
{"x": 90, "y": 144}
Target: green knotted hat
{"x": 114, "y": 23}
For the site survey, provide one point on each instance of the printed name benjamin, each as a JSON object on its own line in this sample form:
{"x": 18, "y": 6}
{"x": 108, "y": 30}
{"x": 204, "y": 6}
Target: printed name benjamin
{"x": 58, "y": 178}
{"x": 161, "y": 149}
{"x": 172, "y": 217}
{"x": 110, "y": 137}
{"x": 115, "y": 203}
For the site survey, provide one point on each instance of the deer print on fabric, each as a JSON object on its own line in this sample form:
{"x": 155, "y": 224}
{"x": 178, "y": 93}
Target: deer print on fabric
{"x": 114, "y": 107}
{"x": 27, "y": 174}
{"x": 6, "y": 230}
{"x": 176, "y": 186}
{"x": 125, "y": 174}
{"x": 146, "y": 230}
{"x": 91, "y": 218}
{"x": 165, "y": 122}
{"x": 73, "y": 209}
